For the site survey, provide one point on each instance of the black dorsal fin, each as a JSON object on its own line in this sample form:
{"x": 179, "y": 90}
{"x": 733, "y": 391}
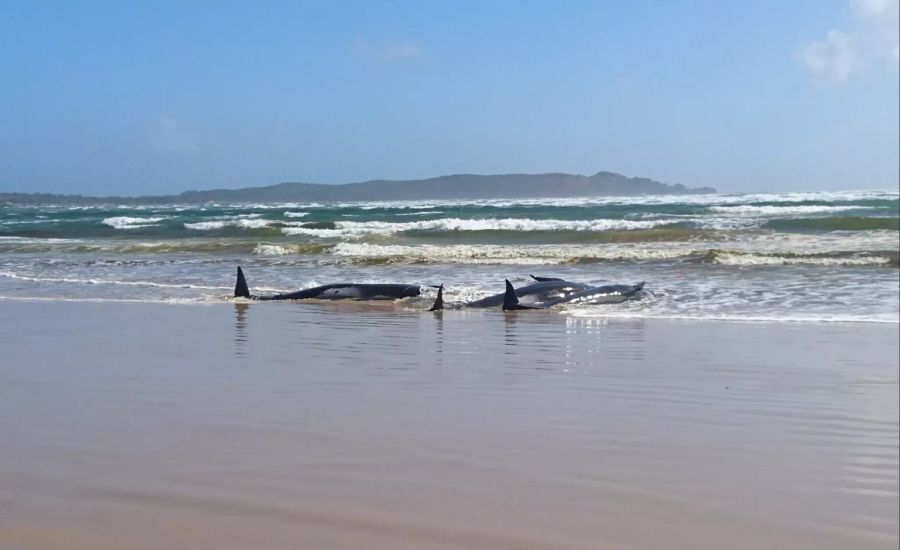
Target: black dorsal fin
{"x": 439, "y": 301}
{"x": 241, "y": 290}
{"x": 511, "y": 299}
{"x": 545, "y": 279}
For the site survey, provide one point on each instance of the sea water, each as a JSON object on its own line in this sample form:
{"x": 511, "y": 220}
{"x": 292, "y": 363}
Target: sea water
{"x": 816, "y": 256}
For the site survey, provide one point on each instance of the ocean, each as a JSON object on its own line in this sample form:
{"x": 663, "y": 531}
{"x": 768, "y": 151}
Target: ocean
{"x": 816, "y": 256}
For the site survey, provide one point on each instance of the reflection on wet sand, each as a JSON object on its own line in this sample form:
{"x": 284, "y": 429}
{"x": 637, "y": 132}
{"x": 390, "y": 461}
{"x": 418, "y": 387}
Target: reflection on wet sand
{"x": 240, "y": 328}
{"x": 386, "y": 427}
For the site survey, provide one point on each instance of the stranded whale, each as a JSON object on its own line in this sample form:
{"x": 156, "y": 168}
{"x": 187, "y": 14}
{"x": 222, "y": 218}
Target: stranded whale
{"x": 547, "y": 292}
{"x": 341, "y": 291}
{"x": 572, "y": 294}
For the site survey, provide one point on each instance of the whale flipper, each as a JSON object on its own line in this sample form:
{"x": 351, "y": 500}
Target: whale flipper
{"x": 241, "y": 290}
{"x": 511, "y": 299}
{"x": 439, "y": 301}
{"x": 545, "y": 279}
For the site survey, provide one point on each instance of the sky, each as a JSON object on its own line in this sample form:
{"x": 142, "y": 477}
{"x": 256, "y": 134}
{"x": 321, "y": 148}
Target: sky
{"x": 159, "y": 97}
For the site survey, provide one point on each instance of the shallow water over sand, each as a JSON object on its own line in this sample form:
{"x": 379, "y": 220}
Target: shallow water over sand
{"x": 368, "y": 425}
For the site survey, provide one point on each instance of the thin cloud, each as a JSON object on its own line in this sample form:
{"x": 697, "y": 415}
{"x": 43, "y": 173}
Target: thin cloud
{"x": 387, "y": 51}
{"x": 833, "y": 59}
{"x": 168, "y": 137}
{"x": 875, "y": 8}
{"x": 872, "y": 40}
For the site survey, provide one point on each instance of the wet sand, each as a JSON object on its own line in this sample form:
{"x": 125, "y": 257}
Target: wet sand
{"x": 356, "y": 426}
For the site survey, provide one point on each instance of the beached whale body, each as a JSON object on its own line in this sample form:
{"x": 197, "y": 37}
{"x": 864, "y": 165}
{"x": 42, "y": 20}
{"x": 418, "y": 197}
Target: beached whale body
{"x": 548, "y": 292}
{"x": 607, "y": 294}
{"x": 341, "y": 291}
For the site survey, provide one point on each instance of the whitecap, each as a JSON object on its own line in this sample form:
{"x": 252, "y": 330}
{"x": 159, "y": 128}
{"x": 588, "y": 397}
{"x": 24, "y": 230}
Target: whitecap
{"x": 247, "y": 222}
{"x": 351, "y": 228}
{"x": 744, "y": 259}
{"x": 751, "y": 210}
{"x": 127, "y": 222}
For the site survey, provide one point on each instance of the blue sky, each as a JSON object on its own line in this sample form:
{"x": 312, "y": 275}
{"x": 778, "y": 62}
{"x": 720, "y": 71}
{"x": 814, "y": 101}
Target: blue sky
{"x": 160, "y": 97}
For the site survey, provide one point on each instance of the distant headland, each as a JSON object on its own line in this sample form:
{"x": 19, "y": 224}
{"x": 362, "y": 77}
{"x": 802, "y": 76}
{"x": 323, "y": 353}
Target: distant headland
{"x": 458, "y": 186}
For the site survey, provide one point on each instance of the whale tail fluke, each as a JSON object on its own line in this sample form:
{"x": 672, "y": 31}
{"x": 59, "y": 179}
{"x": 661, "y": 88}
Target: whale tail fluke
{"x": 439, "y": 301}
{"x": 241, "y": 290}
{"x": 511, "y": 299}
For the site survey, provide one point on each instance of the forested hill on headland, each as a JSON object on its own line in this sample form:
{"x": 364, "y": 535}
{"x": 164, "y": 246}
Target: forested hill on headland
{"x": 459, "y": 186}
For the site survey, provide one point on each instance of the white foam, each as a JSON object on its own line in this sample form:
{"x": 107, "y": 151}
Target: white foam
{"x": 89, "y": 281}
{"x": 738, "y": 259}
{"x": 271, "y": 250}
{"x": 517, "y": 255}
{"x": 750, "y": 210}
{"x": 295, "y": 214}
{"x": 205, "y": 226}
{"x": 274, "y": 205}
{"x": 264, "y": 249}
{"x": 351, "y": 228}
{"x": 243, "y": 222}
{"x": 563, "y": 254}
{"x": 127, "y": 222}
{"x": 322, "y": 233}
{"x": 600, "y": 314}
{"x": 41, "y": 219}
{"x": 811, "y": 244}
{"x": 205, "y": 300}
{"x": 822, "y": 196}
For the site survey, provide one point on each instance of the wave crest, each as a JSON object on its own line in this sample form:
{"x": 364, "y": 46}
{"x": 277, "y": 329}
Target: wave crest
{"x": 245, "y": 223}
{"x": 128, "y": 222}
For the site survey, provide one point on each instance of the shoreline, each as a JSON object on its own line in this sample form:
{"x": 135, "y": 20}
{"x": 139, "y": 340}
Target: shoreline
{"x": 581, "y": 314}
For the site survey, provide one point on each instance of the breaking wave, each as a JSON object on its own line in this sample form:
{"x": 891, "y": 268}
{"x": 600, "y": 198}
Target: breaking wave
{"x": 350, "y": 228}
{"x": 264, "y": 249}
{"x": 127, "y": 222}
{"x": 752, "y": 210}
{"x": 246, "y": 223}
{"x": 559, "y": 255}
{"x": 735, "y": 258}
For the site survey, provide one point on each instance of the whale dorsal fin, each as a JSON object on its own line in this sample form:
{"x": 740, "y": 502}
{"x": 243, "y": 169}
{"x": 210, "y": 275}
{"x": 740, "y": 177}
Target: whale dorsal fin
{"x": 511, "y": 299}
{"x": 439, "y": 301}
{"x": 545, "y": 279}
{"x": 241, "y": 290}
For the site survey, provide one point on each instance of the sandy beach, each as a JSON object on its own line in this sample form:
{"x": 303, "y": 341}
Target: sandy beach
{"x": 367, "y": 426}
